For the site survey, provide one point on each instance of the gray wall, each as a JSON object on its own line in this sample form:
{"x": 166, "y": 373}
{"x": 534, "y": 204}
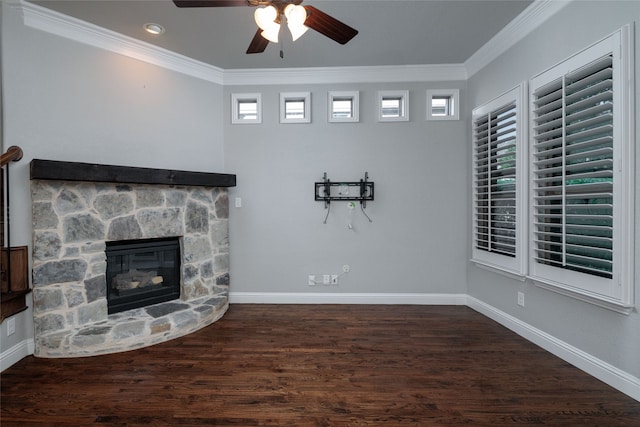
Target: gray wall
{"x": 607, "y": 335}
{"x": 67, "y": 101}
{"x": 417, "y": 240}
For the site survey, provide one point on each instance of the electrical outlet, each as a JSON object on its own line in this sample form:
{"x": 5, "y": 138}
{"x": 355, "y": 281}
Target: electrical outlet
{"x": 334, "y": 279}
{"x": 238, "y": 202}
{"x": 311, "y": 280}
{"x": 11, "y": 326}
{"x": 521, "y": 299}
{"x": 326, "y": 279}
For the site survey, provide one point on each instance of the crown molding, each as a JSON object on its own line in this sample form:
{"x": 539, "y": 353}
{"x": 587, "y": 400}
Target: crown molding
{"x": 325, "y": 75}
{"x": 41, "y": 18}
{"x": 522, "y": 25}
{"x": 53, "y": 22}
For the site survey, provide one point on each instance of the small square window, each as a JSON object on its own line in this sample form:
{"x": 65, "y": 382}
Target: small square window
{"x": 246, "y": 108}
{"x": 393, "y": 106}
{"x": 343, "y": 106}
{"x": 295, "y": 107}
{"x": 443, "y": 104}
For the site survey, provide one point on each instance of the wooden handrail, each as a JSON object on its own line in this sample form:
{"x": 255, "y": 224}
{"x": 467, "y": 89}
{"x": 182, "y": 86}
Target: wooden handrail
{"x": 13, "y": 154}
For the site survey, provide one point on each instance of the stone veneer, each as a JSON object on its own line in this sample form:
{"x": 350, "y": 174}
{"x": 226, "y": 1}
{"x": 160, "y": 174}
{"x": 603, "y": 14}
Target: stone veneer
{"x": 71, "y": 223}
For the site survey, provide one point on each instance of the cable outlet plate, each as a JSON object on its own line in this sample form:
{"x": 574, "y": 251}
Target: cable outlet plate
{"x": 334, "y": 279}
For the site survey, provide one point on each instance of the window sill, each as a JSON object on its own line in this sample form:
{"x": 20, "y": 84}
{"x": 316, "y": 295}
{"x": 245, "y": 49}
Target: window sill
{"x": 499, "y": 270}
{"x": 600, "y": 301}
{"x": 436, "y": 118}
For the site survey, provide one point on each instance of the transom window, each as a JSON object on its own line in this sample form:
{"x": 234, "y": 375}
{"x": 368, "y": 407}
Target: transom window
{"x": 246, "y": 108}
{"x": 343, "y": 106}
{"x": 393, "y": 106}
{"x": 295, "y": 107}
{"x": 443, "y": 104}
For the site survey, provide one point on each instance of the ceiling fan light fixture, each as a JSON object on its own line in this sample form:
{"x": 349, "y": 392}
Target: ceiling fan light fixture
{"x": 271, "y": 32}
{"x": 298, "y": 12}
{"x": 296, "y": 15}
{"x": 297, "y": 31}
{"x": 266, "y": 17}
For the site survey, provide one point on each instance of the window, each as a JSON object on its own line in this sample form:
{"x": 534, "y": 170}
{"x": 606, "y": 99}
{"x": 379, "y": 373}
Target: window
{"x": 295, "y": 107}
{"x": 343, "y": 107}
{"x": 246, "y": 108}
{"x": 393, "y": 106}
{"x": 498, "y": 199}
{"x": 443, "y": 104}
{"x": 581, "y": 179}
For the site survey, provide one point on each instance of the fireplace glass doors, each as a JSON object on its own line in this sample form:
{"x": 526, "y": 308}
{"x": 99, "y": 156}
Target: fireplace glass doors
{"x": 142, "y": 272}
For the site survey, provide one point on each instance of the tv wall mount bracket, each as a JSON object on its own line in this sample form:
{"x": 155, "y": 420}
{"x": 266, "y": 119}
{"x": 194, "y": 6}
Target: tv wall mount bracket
{"x": 348, "y": 191}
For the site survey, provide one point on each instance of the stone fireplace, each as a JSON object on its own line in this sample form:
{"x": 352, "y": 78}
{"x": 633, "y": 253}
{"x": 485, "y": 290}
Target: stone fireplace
{"x": 79, "y": 210}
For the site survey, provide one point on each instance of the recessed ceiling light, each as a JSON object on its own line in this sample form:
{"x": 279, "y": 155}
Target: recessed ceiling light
{"x": 154, "y": 28}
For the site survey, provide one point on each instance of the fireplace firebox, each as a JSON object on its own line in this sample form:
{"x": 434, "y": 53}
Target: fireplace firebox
{"x": 142, "y": 272}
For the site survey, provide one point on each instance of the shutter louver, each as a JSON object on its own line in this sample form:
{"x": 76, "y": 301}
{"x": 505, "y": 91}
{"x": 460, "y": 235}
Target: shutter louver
{"x": 495, "y": 181}
{"x": 573, "y": 170}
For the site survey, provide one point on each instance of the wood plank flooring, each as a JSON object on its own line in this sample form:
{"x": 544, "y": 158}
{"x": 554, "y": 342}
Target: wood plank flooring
{"x": 326, "y": 365}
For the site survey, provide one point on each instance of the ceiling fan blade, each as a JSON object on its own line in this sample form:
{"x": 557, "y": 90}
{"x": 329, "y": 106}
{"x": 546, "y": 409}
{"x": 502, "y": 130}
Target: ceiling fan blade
{"x": 258, "y": 44}
{"x": 328, "y": 25}
{"x": 210, "y": 3}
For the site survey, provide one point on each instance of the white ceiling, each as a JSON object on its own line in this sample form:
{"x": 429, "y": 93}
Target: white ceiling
{"x": 391, "y": 32}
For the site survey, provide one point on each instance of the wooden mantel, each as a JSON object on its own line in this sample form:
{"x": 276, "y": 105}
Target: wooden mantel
{"x": 74, "y": 171}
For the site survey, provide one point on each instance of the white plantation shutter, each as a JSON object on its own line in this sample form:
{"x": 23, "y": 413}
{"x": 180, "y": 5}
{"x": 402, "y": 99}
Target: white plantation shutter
{"x": 495, "y": 179}
{"x": 497, "y": 159}
{"x": 577, "y": 139}
{"x": 573, "y": 170}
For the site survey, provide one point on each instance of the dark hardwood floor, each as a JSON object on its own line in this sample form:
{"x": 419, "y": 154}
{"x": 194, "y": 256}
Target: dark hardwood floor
{"x": 327, "y": 365}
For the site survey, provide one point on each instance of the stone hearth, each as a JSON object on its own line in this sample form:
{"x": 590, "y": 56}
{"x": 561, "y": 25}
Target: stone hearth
{"x": 71, "y": 223}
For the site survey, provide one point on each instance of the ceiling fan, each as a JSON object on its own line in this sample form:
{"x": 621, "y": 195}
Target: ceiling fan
{"x": 299, "y": 19}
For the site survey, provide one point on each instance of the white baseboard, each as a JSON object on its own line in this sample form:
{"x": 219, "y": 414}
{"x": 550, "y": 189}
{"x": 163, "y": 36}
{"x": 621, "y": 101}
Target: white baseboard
{"x": 345, "y": 298}
{"x": 16, "y": 353}
{"x": 616, "y": 378}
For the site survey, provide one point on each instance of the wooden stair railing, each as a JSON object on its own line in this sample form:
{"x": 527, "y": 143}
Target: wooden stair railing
{"x": 14, "y": 276}
{"x": 13, "y": 154}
